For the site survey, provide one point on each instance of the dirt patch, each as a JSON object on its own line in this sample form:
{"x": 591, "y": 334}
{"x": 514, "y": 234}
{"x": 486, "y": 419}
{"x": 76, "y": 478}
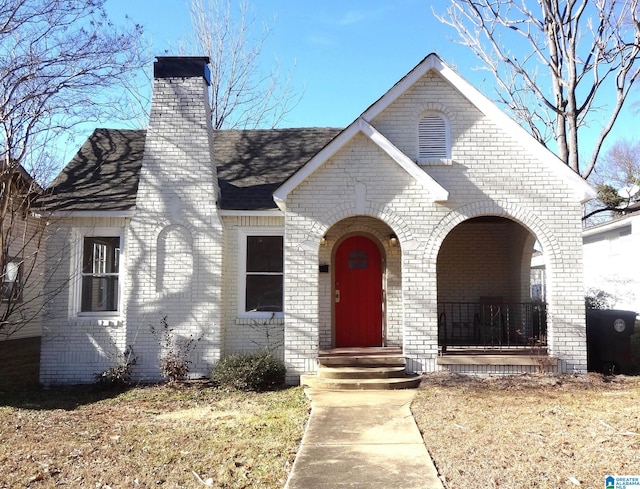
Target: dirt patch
{"x": 530, "y": 431}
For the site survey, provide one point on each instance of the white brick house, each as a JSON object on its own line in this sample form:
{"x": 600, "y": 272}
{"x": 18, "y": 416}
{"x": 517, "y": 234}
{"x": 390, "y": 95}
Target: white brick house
{"x": 412, "y": 227}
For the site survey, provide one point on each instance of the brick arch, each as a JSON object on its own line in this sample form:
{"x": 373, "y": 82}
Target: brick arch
{"x": 514, "y": 212}
{"x": 346, "y": 210}
{"x": 156, "y": 234}
{"x": 419, "y": 110}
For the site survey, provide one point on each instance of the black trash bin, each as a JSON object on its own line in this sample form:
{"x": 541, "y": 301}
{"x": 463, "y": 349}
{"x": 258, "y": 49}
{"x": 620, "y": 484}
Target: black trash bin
{"x": 609, "y": 341}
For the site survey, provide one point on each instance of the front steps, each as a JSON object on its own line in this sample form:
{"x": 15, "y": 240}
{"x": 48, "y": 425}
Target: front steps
{"x": 361, "y": 369}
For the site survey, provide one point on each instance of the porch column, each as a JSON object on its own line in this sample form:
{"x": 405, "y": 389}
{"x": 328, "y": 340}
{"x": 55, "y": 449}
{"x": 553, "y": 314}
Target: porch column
{"x": 420, "y": 335}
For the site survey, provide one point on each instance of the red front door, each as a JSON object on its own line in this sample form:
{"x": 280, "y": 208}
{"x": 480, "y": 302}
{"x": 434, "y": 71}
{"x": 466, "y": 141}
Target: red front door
{"x": 358, "y": 293}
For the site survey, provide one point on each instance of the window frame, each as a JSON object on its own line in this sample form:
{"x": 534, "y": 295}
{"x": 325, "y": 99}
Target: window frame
{"x": 243, "y": 235}
{"x": 13, "y": 296}
{"x": 78, "y": 263}
{"x": 445, "y": 160}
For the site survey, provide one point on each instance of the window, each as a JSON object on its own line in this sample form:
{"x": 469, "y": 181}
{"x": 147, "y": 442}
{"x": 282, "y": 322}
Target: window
{"x": 261, "y": 266}
{"x": 11, "y": 281}
{"x": 358, "y": 260}
{"x": 433, "y": 138}
{"x": 100, "y": 273}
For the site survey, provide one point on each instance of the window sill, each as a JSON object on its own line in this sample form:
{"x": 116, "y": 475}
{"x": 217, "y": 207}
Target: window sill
{"x": 102, "y": 320}
{"x": 278, "y": 318}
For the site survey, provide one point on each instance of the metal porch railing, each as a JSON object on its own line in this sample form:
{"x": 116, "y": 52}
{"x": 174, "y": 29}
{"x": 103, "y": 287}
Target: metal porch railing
{"x": 500, "y": 326}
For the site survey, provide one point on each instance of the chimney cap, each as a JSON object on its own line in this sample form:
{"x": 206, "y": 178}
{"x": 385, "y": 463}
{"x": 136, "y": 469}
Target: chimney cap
{"x": 182, "y": 67}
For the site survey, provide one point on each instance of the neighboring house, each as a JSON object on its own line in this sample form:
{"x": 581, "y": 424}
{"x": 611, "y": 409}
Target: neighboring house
{"x": 611, "y": 262}
{"x": 22, "y": 256}
{"x": 413, "y": 227}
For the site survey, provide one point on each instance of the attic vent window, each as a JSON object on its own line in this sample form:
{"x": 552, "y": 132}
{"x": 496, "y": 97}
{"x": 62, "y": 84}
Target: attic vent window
{"x": 433, "y": 139}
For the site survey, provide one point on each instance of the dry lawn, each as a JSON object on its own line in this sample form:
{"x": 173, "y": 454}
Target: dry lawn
{"x": 530, "y": 431}
{"x": 508, "y": 432}
{"x": 157, "y": 436}
{"x": 184, "y": 436}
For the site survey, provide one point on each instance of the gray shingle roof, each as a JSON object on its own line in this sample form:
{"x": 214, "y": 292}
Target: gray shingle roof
{"x": 252, "y": 164}
{"x": 103, "y": 175}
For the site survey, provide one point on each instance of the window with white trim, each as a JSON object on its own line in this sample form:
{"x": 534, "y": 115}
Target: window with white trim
{"x": 12, "y": 281}
{"x": 433, "y": 138}
{"x": 261, "y": 269}
{"x": 100, "y": 274}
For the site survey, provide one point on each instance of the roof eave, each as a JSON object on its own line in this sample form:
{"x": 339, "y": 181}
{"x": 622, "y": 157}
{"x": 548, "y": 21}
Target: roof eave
{"x": 582, "y": 190}
{"x": 438, "y": 193}
{"x": 360, "y": 125}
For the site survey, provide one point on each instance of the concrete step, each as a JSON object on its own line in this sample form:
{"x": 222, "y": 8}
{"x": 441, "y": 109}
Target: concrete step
{"x": 376, "y": 350}
{"x": 359, "y": 360}
{"x": 380, "y": 368}
{"x": 408, "y": 382}
{"x": 361, "y": 372}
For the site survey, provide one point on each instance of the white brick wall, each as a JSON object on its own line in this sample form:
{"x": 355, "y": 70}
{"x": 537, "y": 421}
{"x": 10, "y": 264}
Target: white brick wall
{"x": 75, "y": 348}
{"x": 243, "y": 335}
{"x": 176, "y": 214}
{"x": 181, "y": 258}
{"x": 173, "y": 254}
{"x": 489, "y": 175}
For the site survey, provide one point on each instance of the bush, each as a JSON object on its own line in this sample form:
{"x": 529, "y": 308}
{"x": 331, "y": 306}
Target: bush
{"x": 598, "y": 299}
{"x": 249, "y": 372}
{"x": 119, "y": 375}
{"x": 174, "y": 359}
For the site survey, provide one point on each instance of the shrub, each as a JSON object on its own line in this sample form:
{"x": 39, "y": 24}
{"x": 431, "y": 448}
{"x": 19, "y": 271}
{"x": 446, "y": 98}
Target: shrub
{"x": 598, "y": 299}
{"x": 118, "y": 375}
{"x": 249, "y": 372}
{"x": 174, "y": 361}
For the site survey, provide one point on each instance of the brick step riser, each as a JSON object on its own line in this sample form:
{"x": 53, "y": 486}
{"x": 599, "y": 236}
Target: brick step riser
{"x": 367, "y": 361}
{"x": 382, "y": 385}
{"x": 338, "y": 373}
{"x": 347, "y": 352}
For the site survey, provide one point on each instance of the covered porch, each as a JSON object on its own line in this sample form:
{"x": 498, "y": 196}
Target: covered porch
{"x": 486, "y": 313}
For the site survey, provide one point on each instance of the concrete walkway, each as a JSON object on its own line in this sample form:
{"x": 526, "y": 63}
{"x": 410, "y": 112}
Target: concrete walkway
{"x": 362, "y": 439}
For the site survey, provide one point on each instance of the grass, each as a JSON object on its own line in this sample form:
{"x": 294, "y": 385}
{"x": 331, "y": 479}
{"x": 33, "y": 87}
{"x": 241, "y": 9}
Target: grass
{"x": 508, "y": 432}
{"x": 182, "y": 436}
{"x": 530, "y": 431}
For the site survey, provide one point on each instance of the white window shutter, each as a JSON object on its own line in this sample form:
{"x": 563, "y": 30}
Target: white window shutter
{"x": 432, "y": 138}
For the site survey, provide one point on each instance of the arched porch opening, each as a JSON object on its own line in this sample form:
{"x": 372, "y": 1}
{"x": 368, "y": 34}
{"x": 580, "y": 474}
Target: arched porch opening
{"x": 484, "y": 289}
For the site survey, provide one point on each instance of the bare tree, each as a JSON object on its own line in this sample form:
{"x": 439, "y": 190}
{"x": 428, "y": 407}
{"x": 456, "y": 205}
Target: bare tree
{"x": 617, "y": 179}
{"x": 620, "y": 165}
{"x": 559, "y": 65}
{"x": 242, "y": 95}
{"x": 61, "y": 62}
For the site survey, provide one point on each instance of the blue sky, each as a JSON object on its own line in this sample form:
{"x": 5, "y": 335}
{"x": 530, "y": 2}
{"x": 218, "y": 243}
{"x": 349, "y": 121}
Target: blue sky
{"x": 345, "y": 53}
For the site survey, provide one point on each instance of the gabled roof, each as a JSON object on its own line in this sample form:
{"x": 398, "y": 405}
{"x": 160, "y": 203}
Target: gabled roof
{"x": 360, "y": 125}
{"x": 432, "y": 62}
{"x": 103, "y": 176}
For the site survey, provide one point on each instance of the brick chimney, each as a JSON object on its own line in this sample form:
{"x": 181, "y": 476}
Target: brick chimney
{"x": 174, "y": 241}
